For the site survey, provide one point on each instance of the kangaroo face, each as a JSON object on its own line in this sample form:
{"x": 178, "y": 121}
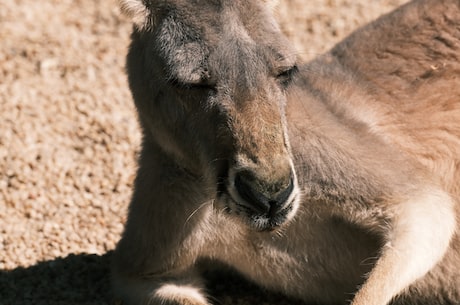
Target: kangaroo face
{"x": 218, "y": 71}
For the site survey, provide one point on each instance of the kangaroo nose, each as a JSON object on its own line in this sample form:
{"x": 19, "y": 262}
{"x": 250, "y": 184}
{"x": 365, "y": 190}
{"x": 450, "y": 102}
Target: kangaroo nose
{"x": 266, "y": 198}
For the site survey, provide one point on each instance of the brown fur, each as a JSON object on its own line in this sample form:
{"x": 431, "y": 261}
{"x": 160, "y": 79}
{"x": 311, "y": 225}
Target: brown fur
{"x": 339, "y": 179}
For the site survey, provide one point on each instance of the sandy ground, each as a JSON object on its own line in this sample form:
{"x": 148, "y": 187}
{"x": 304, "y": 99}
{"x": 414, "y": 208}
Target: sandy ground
{"x": 69, "y": 138}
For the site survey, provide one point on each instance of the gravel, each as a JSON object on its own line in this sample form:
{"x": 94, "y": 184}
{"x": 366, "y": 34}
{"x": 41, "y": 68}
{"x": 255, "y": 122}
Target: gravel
{"x": 69, "y": 139}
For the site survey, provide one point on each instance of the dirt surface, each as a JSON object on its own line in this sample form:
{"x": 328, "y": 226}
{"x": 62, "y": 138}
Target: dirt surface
{"x": 69, "y": 138}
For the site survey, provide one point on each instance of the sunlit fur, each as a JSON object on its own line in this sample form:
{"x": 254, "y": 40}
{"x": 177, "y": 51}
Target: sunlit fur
{"x": 367, "y": 137}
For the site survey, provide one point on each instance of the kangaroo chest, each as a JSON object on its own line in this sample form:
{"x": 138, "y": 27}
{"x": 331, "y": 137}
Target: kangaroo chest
{"x": 320, "y": 255}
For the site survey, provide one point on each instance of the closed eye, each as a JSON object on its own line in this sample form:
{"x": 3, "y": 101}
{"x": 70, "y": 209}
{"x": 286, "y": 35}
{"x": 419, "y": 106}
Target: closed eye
{"x": 203, "y": 85}
{"x": 286, "y": 75}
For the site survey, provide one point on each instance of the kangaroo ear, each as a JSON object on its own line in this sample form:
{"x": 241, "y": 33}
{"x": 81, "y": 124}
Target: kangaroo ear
{"x": 271, "y": 4}
{"x": 136, "y": 10}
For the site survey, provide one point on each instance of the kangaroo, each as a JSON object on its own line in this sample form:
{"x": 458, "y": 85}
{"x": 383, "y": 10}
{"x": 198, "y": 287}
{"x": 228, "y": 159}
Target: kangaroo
{"x": 331, "y": 181}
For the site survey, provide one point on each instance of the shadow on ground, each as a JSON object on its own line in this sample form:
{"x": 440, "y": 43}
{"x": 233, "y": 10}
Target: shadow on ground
{"x": 84, "y": 279}
{"x": 76, "y": 279}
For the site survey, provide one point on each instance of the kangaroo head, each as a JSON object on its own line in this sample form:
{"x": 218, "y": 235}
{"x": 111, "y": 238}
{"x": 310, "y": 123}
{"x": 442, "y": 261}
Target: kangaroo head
{"x": 209, "y": 79}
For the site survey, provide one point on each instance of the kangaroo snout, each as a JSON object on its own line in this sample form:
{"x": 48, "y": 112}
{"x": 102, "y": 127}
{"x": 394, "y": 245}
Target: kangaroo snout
{"x": 265, "y": 197}
{"x": 265, "y": 193}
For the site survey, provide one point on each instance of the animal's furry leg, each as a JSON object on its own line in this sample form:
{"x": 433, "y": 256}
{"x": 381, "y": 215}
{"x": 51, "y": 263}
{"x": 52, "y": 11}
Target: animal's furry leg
{"x": 418, "y": 239}
{"x": 180, "y": 290}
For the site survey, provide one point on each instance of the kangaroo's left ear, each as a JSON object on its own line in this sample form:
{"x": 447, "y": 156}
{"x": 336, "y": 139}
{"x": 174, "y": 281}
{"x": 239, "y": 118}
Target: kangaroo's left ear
{"x": 136, "y": 10}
